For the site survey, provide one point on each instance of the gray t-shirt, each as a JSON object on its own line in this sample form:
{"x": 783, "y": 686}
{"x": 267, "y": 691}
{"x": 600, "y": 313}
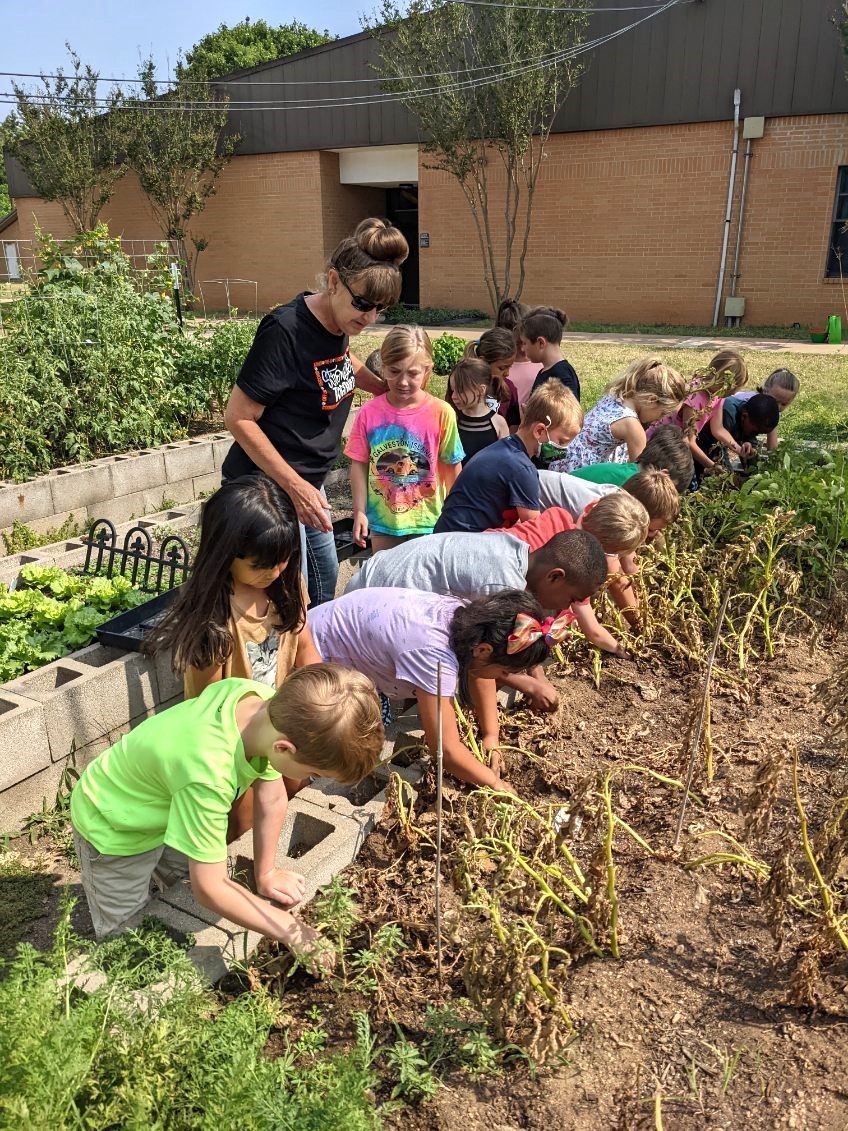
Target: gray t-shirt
{"x": 559, "y": 489}
{"x": 462, "y": 564}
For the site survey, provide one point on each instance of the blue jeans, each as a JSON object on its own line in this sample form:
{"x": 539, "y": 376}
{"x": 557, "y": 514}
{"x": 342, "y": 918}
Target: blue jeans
{"x": 319, "y": 562}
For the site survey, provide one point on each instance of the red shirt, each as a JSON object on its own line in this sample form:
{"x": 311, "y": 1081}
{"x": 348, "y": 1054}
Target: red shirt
{"x": 537, "y": 532}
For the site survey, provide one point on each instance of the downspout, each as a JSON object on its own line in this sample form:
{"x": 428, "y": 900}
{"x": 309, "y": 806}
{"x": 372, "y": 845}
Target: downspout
{"x": 737, "y": 99}
{"x": 735, "y": 276}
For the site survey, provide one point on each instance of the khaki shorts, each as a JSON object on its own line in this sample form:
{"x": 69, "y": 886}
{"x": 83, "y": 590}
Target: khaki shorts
{"x": 116, "y": 887}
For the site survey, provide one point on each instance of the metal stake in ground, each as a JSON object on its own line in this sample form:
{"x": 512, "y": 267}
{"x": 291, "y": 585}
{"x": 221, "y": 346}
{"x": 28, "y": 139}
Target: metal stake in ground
{"x": 439, "y": 767}
{"x": 696, "y": 738}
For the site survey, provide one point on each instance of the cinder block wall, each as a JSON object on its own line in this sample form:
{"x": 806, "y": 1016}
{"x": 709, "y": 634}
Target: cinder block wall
{"x": 628, "y": 224}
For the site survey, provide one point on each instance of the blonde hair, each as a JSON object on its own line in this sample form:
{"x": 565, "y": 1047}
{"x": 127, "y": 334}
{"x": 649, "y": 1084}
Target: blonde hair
{"x": 331, "y": 714}
{"x": 656, "y": 492}
{"x": 781, "y": 379}
{"x": 406, "y": 341}
{"x": 650, "y": 377}
{"x": 619, "y": 522}
{"x": 554, "y": 406}
{"x": 726, "y": 374}
{"x": 371, "y": 259}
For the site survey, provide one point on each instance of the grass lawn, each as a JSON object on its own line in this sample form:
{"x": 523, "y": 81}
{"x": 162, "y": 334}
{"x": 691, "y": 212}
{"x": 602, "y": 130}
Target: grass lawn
{"x": 820, "y": 411}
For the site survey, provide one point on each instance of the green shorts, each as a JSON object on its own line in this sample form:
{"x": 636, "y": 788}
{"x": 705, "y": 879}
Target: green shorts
{"x": 116, "y": 887}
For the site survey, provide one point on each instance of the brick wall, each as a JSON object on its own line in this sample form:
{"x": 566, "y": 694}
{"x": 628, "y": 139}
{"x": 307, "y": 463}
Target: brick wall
{"x": 628, "y": 224}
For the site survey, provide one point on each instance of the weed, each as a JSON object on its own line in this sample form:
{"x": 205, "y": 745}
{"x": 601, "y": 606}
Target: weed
{"x": 415, "y": 1082}
{"x": 22, "y": 537}
{"x": 54, "y": 820}
{"x": 371, "y": 963}
{"x": 336, "y": 913}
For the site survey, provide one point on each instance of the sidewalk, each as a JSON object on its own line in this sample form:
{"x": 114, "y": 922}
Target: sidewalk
{"x": 653, "y": 341}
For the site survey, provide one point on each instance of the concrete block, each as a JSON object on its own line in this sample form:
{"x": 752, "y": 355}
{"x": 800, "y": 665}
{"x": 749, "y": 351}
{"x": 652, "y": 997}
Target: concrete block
{"x": 80, "y": 976}
{"x": 168, "y": 683}
{"x": 188, "y": 459}
{"x": 54, "y": 521}
{"x": 24, "y": 745}
{"x": 90, "y": 694}
{"x": 138, "y": 472}
{"x": 362, "y": 803}
{"x": 317, "y": 842}
{"x": 122, "y": 508}
{"x": 28, "y": 796}
{"x": 176, "y": 494}
{"x": 181, "y": 898}
{"x": 74, "y": 487}
{"x": 27, "y": 502}
{"x": 221, "y": 444}
{"x": 204, "y": 485}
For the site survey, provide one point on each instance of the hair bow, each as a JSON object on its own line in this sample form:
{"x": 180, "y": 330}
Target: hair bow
{"x": 527, "y": 630}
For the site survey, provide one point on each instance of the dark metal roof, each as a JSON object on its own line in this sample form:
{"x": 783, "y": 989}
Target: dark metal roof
{"x": 680, "y": 66}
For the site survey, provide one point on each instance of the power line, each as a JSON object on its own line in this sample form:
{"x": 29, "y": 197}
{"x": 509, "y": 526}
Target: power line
{"x": 355, "y": 100}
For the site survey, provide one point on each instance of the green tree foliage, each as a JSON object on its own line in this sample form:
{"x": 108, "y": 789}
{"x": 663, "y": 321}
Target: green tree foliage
{"x": 246, "y": 44}
{"x": 70, "y": 139}
{"x": 496, "y": 78}
{"x": 178, "y": 148}
{"x": 6, "y": 129}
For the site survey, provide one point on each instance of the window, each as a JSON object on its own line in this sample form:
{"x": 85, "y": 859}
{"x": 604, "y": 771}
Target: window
{"x": 837, "y": 253}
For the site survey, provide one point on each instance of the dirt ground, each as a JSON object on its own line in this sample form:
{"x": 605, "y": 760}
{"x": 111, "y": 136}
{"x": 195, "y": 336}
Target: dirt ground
{"x": 689, "y": 1028}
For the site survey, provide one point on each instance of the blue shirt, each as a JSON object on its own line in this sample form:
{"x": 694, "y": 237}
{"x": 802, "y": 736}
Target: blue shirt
{"x": 490, "y": 487}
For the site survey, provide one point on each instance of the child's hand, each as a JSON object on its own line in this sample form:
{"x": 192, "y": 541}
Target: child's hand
{"x": 543, "y": 697}
{"x": 360, "y": 528}
{"x": 311, "y": 949}
{"x": 746, "y": 450}
{"x": 505, "y": 787}
{"x": 287, "y": 888}
{"x": 488, "y": 742}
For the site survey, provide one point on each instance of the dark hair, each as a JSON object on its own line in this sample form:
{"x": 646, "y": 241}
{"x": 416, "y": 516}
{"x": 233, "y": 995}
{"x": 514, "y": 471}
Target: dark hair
{"x": 374, "y": 362}
{"x": 763, "y": 412}
{"x": 371, "y": 259}
{"x": 491, "y": 346}
{"x": 467, "y": 372}
{"x": 511, "y": 313}
{"x": 490, "y": 620}
{"x": 544, "y": 322}
{"x": 580, "y": 555}
{"x": 250, "y": 517}
{"x": 668, "y": 450}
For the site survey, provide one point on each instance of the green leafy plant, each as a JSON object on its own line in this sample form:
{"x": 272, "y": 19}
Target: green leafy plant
{"x": 431, "y": 315}
{"x": 22, "y": 537}
{"x": 447, "y": 351}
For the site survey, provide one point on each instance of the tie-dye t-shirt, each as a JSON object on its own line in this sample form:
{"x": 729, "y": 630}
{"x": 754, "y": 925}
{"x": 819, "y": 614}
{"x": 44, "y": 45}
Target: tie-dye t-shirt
{"x": 403, "y": 448}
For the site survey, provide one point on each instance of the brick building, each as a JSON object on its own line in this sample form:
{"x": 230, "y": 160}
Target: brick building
{"x": 631, "y": 203}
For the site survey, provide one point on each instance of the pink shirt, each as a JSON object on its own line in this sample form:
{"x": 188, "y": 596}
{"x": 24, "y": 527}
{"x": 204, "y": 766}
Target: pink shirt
{"x": 702, "y": 404}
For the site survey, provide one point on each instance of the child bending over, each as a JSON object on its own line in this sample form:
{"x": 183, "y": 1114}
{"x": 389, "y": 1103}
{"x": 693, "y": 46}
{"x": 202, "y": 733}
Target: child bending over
{"x": 155, "y": 805}
{"x": 396, "y": 637}
{"x": 497, "y": 348}
{"x": 614, "y": 430}
{"x": 404, "y": 447}
{"x": 742, "y": 423}
{"x": 784, "y": 386}
{"x": 470, "y": 389}
{"x": 667, "y": 450}
{"x": 500, "y": 485}
{"x": 523, "y": 373}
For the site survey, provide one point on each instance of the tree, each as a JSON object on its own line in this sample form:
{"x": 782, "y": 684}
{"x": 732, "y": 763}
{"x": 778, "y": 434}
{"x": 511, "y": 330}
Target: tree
{"x": 246, "y": 44}
{"x": 70, "y": 141}
{"x": 485, "y": 84}
{"x": 178, "y": 149}
{"x": 6, "y": 130}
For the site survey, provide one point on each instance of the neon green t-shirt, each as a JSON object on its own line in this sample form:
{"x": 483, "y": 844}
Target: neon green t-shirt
{"x": 173, "y": 779}
{"x": 615, "y": 473}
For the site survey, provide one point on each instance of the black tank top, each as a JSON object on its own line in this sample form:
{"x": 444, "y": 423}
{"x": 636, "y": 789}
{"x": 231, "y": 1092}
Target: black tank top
{"x": 475, "y": 432}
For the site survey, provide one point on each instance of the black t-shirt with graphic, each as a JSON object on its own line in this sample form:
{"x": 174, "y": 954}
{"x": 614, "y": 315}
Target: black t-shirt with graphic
{"x": 304, "y": 376}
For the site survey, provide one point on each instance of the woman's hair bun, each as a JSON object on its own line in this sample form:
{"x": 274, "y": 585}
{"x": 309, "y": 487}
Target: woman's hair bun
{"x": 381, "y": 241}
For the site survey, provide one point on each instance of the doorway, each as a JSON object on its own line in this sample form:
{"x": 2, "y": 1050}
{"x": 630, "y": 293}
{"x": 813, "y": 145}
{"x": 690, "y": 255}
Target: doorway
{"x": 402, "y": 211}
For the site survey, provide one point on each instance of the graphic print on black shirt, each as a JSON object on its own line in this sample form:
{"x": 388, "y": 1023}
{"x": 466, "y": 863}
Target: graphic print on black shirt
{"x": 335, "y": 380}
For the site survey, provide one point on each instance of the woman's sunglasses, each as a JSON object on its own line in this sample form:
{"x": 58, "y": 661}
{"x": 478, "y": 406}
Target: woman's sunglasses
{"x": 364, "y": 305}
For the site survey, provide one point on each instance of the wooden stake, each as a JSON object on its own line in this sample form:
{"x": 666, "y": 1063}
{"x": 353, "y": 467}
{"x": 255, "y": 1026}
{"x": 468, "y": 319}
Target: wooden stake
{"x": 705, "y": 698}
{"x": 439, "y": 768}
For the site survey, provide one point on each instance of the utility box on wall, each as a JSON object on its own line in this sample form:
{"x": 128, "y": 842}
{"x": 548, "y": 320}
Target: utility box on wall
{"x": 752, "y": 128}
{"x": 734, "y": 307}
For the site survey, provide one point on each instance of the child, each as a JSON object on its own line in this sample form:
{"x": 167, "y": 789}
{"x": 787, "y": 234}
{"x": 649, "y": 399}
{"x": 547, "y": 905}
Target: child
{"x": 742, "y": 422}
{"x": 242, "y": 611}
{"x": 784, "y": 386}
{"x": 404, "y": 447}
{"x": 469, "y": 388}
{"x": 561, "y": 569}
{"x": 497, "y": 348}
{"x": 614, "y": 430}
{"x": 156, "y": 803}
{"x": 725, "y": 374}
{"x": 396, "y": 637}
{"x": 541, "y": 334}
{"x": 523, "y": 373}
{"x": 501, "y": 485}
{"x": 667, "y": 450}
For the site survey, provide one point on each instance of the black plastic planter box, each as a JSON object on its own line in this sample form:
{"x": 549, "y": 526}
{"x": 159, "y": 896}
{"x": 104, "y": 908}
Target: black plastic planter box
{"x": 128, "y": 630}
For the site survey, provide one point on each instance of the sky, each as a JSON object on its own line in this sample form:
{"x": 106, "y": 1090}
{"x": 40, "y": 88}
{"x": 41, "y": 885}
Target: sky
{"x": 113, "y": 37}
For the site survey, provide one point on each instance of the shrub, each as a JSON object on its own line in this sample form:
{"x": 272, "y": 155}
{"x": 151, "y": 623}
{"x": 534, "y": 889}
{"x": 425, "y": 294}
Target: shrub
{"x": 221, "y": 357}
{"x": 92, "y": 361}
{"x": 431, "y": 315}
{"x": 447, "y": 351}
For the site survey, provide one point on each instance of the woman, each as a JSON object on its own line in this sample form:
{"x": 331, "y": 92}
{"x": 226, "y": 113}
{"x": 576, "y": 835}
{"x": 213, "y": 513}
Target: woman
{"x": 295, "y": 389}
